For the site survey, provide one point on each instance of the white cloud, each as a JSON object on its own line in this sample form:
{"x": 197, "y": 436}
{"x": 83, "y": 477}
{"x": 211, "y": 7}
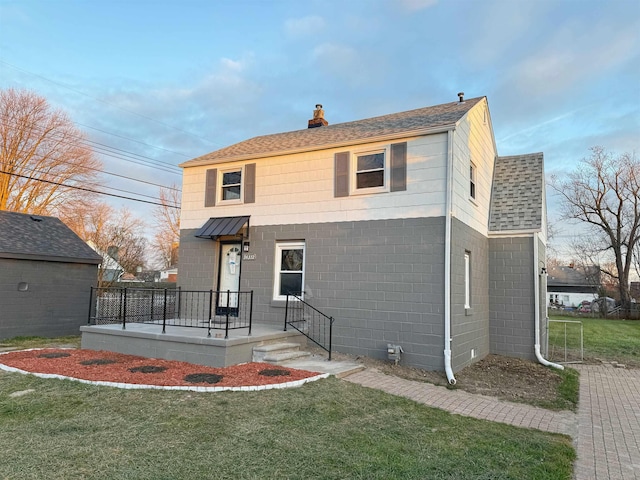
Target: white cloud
{"x": 310, "y": 25}
{"x": 416, "y": 5}
{"x": 574, "y": 56}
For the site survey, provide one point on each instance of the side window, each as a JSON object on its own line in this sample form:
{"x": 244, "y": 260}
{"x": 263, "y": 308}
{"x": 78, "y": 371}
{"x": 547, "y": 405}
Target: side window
{"x": 472, "y": 181}
{"x": 289, "y": 269}
{"x": 467, "y": 279}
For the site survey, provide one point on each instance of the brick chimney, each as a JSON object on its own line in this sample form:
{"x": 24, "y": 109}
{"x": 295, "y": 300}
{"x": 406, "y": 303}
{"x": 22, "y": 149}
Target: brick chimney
{"x": 318, "y": 118}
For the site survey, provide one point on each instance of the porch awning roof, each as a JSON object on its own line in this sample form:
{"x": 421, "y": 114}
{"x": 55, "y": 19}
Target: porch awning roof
{"x": 216, "y": 227}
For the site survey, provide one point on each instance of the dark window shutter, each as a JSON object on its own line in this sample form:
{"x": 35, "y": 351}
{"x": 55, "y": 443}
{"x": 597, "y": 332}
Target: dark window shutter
{"x": 250, "y": 183}
{"x": 398, "y": 167}
{"x": 210, "y": 188}
{"x": 341, "y": 184}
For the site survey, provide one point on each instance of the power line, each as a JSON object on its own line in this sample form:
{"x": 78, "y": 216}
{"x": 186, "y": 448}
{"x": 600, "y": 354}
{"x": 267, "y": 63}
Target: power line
{"x": 64, "y": 85}
{"x": 132, "y": 140}
{"x": 116, "y": 152}
{"x": 42, "y": 172}
{"x": 89, "y": 190}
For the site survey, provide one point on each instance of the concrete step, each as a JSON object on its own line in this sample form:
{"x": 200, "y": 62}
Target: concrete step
{"x": 261, "y": 352}
{"x": 278, "y": 358}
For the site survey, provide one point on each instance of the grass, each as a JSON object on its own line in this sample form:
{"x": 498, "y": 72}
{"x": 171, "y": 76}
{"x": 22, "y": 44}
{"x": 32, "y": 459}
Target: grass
{"x": 323, "y": 430}
{"x": 567, "y": 393}
{"x": 610, "y": 340}
{"x": 40, "y": 342}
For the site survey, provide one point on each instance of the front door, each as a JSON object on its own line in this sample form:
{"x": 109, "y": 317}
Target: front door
{"x": 229, "y": 275}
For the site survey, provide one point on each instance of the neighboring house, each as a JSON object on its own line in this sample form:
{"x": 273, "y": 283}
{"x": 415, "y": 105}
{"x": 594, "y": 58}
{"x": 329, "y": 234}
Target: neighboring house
{"x": 46, "y": 274}
{"x": 407, "y": 228}
{"x": 568, "y": 286}
{"x": 169, "y": 275}
{"x": 109, "y": 270}
{"x": 128, "y": 278}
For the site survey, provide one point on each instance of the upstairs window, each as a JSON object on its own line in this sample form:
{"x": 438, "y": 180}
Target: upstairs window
{"x": 375, "y": 171}
{"x": 370, "y": 170}
{"x": 472, "y": 181}
{"x": 231, "y": 185}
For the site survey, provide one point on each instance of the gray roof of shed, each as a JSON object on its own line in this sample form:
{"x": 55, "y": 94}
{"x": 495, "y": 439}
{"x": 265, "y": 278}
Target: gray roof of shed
{"x": 517, "y": 193}
{"x": 36, "y": 237}
{"x": 348, "y": 133}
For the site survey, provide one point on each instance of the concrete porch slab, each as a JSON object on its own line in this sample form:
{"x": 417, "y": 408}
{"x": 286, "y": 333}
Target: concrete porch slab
{"x": 183, "y": 343}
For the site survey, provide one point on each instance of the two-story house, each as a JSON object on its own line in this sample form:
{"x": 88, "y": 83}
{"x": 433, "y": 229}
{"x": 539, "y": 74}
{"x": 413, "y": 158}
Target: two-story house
{"x": 407, "y": 228}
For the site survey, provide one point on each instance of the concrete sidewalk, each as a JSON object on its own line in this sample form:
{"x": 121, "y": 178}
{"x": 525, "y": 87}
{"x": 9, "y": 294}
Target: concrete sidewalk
{"x": 606, "y": 430}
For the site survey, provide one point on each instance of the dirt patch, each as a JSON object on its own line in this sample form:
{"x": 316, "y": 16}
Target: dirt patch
{"x": 507, "y": 378}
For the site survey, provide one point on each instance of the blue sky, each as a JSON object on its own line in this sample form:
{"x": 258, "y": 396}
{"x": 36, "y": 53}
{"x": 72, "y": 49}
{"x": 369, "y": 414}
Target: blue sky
{"x": 174, "y": 80}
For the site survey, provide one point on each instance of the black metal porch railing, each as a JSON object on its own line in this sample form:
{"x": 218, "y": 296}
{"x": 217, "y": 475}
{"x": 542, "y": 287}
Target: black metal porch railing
{"x": 309, "y": 321}
{"x": 210, "y": 309}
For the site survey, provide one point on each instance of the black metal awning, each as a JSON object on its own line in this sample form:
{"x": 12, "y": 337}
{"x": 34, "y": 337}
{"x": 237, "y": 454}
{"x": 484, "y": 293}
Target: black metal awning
{"x": 216, "y": 227}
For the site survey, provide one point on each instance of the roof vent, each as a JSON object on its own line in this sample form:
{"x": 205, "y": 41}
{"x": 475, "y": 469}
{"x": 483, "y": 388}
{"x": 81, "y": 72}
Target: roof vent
{"x": 318, "y": 118}
{"x": 35, "y": 219}
{"x": 461, "y": 96}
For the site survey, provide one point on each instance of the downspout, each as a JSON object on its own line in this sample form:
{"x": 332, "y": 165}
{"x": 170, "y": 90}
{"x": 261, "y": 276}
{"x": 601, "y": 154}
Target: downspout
{"x": 447, "y": 262}
{"x": 536, "y": 306}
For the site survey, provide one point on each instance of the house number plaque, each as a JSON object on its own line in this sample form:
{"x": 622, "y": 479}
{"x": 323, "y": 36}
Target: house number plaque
{"x": 248, "y": 256}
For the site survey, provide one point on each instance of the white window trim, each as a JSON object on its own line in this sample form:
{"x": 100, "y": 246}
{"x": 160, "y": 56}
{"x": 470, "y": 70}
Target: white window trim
{"x": 276, "y": 267}
{"x": 221, "y": 173}
{"x": 473, "y": 179}
{"x": 467, "y": 280}
{"x": 353, "y": 187}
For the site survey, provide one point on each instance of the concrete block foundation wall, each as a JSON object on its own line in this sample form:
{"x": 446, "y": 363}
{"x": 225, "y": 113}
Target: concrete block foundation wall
{"x": 55, "y": 302}
{"x": 469, "y": 327}
{"x": 511, "y": 304}
{"x": 381, "y": 280}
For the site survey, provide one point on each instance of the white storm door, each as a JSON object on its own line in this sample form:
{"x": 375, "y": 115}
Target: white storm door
{"x": 230, "y": 254}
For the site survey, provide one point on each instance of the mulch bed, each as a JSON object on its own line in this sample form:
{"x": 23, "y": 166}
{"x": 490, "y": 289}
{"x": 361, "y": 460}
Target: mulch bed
{"x": 120, "y": 368}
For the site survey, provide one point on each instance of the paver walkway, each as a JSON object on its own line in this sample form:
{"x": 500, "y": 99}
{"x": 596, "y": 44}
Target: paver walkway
{"x": 469, "y": 404}
{"x": 606, "y": 430}
{"x": 608, "y": 443}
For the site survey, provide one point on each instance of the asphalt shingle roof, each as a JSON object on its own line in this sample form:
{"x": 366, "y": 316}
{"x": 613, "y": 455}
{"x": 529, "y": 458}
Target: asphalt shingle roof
{"x": 516, "y": 197}
{"x": 38, "y": 237}
{"x": 341, "y": 133}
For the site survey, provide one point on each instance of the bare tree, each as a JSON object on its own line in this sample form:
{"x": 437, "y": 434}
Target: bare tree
{"x": 604, "y": 193}
{"x": 115, "y": 234}
{"x": 43, "y": 156}
{"x": 167, "y": 223}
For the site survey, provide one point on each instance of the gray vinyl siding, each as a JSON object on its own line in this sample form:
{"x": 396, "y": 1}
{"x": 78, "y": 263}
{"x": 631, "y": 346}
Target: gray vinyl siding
{"x": 511, "y": 296}
{"x": 382, "y": 281}
{"x": 56, "y": 302}
{"x": 469, "y": 328}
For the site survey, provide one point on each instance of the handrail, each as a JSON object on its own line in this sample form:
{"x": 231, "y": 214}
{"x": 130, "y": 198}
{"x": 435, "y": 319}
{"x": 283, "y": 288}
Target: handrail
{"x": 309, "y": 321}
{"x": 215, "y": 310}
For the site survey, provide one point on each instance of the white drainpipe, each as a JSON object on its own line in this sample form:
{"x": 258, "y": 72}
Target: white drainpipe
{"x": 447, "y": 263}
{"x": 536, "y": 286}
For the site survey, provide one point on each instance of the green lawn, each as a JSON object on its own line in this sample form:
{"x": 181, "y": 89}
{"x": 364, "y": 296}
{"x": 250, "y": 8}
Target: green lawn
{"x": 323, "y": 430}
{"x": 611, "y": 340}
